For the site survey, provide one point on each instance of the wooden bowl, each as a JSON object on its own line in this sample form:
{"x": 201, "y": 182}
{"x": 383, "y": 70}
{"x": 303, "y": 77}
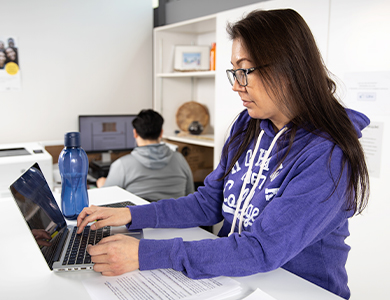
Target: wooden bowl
{"x": 189, "y": 112}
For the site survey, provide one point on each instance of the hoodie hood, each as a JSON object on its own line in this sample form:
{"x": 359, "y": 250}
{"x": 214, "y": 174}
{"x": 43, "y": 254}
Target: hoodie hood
{"x": 358, "y": 120}
{"x": 154, "y": 156}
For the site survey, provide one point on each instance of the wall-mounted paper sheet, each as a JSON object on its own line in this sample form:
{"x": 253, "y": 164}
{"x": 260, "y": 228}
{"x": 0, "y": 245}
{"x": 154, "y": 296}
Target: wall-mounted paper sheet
{"x": 372, "y": 144}
{"x": 368, "y": 92}
{"x": 10, "y": 78}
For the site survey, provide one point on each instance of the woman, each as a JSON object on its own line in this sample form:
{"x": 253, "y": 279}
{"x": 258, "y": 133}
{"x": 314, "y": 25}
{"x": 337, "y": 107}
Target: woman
{"x": 3, "y": 59}
{"x": 11, "y": 54}
{"x": 291, "y": 174}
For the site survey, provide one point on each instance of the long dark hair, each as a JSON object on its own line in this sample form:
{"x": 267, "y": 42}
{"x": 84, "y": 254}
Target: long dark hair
{"x": 282, "y": 41}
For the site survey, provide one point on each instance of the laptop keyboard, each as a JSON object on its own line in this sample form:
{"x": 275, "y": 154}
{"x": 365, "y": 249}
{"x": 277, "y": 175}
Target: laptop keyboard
{"x": 119, "y": 204}
{"x": 76, "y": 252}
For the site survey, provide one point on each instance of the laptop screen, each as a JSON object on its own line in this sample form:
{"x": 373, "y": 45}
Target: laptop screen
{"x": 37, "y": 205}
{"x": 46, "y": 222}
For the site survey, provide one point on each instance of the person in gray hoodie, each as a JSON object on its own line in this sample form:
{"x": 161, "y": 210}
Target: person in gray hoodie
{"x": 152, "y": 170}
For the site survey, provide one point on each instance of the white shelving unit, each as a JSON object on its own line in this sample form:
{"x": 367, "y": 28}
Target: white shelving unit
{"x": 205, "y": 74}
{"x": 206, "y": 140}
{"x": 172, "y": 88}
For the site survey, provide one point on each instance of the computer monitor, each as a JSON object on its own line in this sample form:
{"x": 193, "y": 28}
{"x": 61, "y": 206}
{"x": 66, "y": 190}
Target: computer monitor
{"x": 104, "y": 133}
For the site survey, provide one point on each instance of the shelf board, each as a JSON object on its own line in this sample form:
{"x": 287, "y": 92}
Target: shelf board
{"x": 206, "y": 140}
{"x": 187, "y": 74}
{"x": 197, "y": 26}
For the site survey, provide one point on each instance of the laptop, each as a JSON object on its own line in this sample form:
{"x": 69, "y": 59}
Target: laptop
{"x": 64, "y": 250}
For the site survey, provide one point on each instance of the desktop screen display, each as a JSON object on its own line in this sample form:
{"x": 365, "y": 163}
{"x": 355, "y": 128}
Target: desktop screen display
{"x": 107, "y": 133}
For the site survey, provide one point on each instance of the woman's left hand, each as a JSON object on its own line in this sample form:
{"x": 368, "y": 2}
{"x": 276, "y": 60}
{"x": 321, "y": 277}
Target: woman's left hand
{"x": 115, "y": 255}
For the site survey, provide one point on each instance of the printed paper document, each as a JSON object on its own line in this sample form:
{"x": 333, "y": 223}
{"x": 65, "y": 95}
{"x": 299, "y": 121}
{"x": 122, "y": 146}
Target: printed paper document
{"x": 162, "y": 284}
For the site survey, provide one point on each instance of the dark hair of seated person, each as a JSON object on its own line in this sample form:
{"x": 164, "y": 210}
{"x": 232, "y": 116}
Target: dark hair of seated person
{"x": 148, "y": 124}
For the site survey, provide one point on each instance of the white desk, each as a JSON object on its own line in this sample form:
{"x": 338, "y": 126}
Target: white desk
{"x": 30, "y": 278}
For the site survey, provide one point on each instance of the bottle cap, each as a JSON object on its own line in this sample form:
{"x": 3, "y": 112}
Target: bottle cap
{"x": 72, "y": 139}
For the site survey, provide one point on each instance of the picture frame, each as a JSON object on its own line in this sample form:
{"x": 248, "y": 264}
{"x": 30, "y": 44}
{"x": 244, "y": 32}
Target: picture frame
{"x": 192, "y": 58}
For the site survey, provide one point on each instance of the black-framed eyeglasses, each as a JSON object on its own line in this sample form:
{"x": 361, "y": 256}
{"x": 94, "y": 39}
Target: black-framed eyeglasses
{"x": 240, "y": 75}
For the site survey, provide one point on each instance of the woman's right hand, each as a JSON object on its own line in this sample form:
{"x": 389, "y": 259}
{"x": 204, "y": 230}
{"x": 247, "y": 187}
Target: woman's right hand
{"x": 104, "y": 216}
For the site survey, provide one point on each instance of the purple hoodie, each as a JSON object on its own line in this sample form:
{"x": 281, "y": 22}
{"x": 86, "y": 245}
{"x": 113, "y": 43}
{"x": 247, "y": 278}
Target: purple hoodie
{"x": 292, "y": 219}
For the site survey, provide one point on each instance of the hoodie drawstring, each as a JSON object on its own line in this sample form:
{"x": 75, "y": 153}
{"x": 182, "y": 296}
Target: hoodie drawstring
{"x": 247, "y": 180}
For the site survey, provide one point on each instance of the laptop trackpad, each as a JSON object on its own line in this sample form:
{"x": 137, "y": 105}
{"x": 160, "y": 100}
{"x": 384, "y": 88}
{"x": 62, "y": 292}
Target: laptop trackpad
{"x": 137, "y": 233}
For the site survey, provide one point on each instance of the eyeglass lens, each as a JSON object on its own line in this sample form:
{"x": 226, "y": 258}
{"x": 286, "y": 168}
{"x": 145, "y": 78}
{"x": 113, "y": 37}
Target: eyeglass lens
{"x": 240, "y": 75}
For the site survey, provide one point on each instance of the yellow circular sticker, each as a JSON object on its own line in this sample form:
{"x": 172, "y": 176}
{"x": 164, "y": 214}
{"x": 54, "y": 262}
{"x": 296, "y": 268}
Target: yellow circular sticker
{"x": 12, "y": 68}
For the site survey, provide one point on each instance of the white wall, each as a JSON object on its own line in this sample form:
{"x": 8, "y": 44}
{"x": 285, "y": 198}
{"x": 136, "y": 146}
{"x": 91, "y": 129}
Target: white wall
{"x": 177, "y": 11}
{"x": 76, "y": 57}
{"x": 359, "y": 41}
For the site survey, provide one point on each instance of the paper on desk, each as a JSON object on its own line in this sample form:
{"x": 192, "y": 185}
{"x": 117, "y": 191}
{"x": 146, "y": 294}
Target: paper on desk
{"x": 259, "y": 295}
{"x": 162, "y": 284}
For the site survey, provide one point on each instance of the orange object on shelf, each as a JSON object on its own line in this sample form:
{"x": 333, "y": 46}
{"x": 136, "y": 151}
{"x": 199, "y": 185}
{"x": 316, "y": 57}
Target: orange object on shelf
{"x": 212, "y": 57}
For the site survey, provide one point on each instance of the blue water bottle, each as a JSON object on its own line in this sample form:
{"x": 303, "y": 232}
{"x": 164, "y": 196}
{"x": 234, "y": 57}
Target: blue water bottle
{"x": 73, "y": 166}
